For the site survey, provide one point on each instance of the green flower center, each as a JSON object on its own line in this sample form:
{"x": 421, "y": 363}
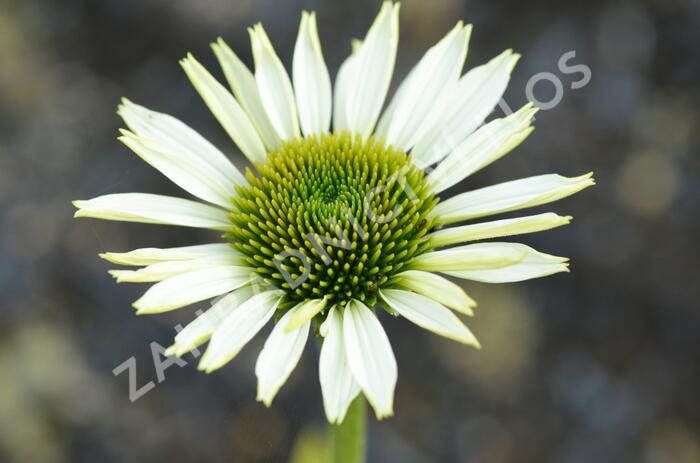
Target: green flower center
{"x": 332, "y": 216}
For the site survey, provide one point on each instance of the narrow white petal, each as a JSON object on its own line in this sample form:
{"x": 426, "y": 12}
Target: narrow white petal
{"x": 437, "y": 73}
{"x": 533, "y": 265}
{"x": 274, "y": 86}
{"x": 244, "y": 87}
{"x": 428, "y": 314}
{"x": 199, "y": 330}
{"x": 226, "y": 109}
{"x": 193, "y": 175}
{"x": 436, "y": 287}
{"x": 372, "y": 70}
{"x": 305, "y": 312}
{"x": 162, "y": 270}
{"x": 483, "y": 147}
{"x": 471, "y": 257}
{"x": 150, "y": 208}
{"x": 177, "y": 140}
{"x": 370, "y": 357}
{"x": 343, "y": 82}
{"x": 239, "y": 328}
{"x": 337, "y": 383}
{"x": 280, "y": 356}
{"x": 465, "y": 108}
{"x": 188, "y": 288}
{"x": 509, "y": 196}
{"x": 148, "y": 256}
{"x": 312, "y": 83}
{"x": 497, "y": 229}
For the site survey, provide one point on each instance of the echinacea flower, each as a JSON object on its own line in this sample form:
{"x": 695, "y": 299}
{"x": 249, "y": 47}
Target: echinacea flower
{"x": 333, "y": 225}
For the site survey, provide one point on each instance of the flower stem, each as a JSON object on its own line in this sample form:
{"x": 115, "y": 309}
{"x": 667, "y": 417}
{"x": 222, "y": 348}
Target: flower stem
{"x": 349, "y": 439}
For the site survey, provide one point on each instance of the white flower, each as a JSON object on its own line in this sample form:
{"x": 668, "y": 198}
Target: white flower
{"x": 335, "y": 222}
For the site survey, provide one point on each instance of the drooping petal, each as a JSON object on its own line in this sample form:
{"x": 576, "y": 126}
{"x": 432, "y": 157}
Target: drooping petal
{"x": 156, "y": 209}
{"x": 239, "y": 328}
{"x": 305, "y": 312}
{"x": 312, "y": 83}
{"x": 199, "y": 330}
{"x": 509, "y": 196}
{"x": 180, "y": 142}
{"x": 497, "y": 229}
{"x": 188, "y": 288}
{"x": 148, "y": 256}
{"x": 414, "y": 111}
{"x": 372, "y": 69}
{"x": 437, "y": 288}
{"x": 244, "y": 87}
{"x": 465, "y": 108}
{"x": 370, "y": 357}
{"x": 471, "y": 257}
{"x": 274, "y": 86}
{"x": 483, "y": 147}
{"x": 338, "y": 386}
{"x": 162, "y": 270}
{"x": 280, "y": 356}
{"x": 226, "y": 109}
{"x": 428, "y": 314}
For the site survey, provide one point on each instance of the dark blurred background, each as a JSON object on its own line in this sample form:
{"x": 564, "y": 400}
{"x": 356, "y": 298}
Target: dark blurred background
{"x": 600, "y": 365}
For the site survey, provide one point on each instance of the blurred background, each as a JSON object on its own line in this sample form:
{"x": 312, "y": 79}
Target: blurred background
{"x": 600, "y": 365}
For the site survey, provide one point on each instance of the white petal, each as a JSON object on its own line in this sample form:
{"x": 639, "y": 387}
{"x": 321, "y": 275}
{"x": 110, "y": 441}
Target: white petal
{"x": 226, "y": 109}
{"x": 179, "y": 141}
{"x": 274, "y": 86}
{"x": 150, "y": 208}
{"x": 239, "y": 328}
{"x": 533, "y": 265}
{"x": 305, "y": 312}
{"x": 436, "y": 287}
{"x": 428, "y": 314}
{"x": 509, "y": 196}
{"x": 280, "y": 356}
{"x": 371, "y": 71}
{"x": 148, "y": 256}
{"x": 242, "y": 81}
{"x": 188, "y": 288}
{"x": 415, "y": 111}
{"x": 471, "y": 257}
{"x": 337, "y": 384}
{"x": 370, "y": 357}
{"x": 199, "y": 330}
{"x": 192, "y": 175}
{"x": 343, "y": 82}
{"x": 312, "y": 84}
{"x": 497, "y": 229}
{"x": 162, "y": 270}
{"x": 480, "y": 149}
{"x": 465, "y": 108}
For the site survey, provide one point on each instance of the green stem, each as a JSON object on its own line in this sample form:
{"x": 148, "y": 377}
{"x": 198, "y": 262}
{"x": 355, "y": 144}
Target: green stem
{"x": 349, "y": 439}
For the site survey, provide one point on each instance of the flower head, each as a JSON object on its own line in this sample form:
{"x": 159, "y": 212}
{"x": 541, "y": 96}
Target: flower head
{"x": 330, "y": 226}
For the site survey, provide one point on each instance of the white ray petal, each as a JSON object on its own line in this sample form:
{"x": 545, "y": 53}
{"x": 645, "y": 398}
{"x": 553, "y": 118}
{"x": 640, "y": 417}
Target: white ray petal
{"x": 414, "y": 111}
{"x": 372, "y": 70}
{"x": 465, "y": 108}
{"x": 226, "y": 109}
{"x": 199, "y": 330}
{"x": 312, "y": 83}
{"x": 533, "y": 265}
{"x": 156, "y": 209}
{"x": 148, "y": 256}
{"x": 337, "y": 383}
{"x": 436, "y": 287}
{"x": 239, "y": 328}
{"x": 305, "y": 312}
{"x": 188, "y": 288}
{"x": 244, "y": 87}
{"x": 471, "y": 257}
{"x": 280, "y": 356}
{"x": 497, "y": 229}
{"x": 428, "y": 314}
{"x": 179, "y": 141}
{"x": 162, "y": 270}
{"x": 274, "y": 86}
{"x": 343, "y": 82}
{"x": 483, "y": 147}
{"x": 370, "y": 357}
{"x": 509, "y": 196}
